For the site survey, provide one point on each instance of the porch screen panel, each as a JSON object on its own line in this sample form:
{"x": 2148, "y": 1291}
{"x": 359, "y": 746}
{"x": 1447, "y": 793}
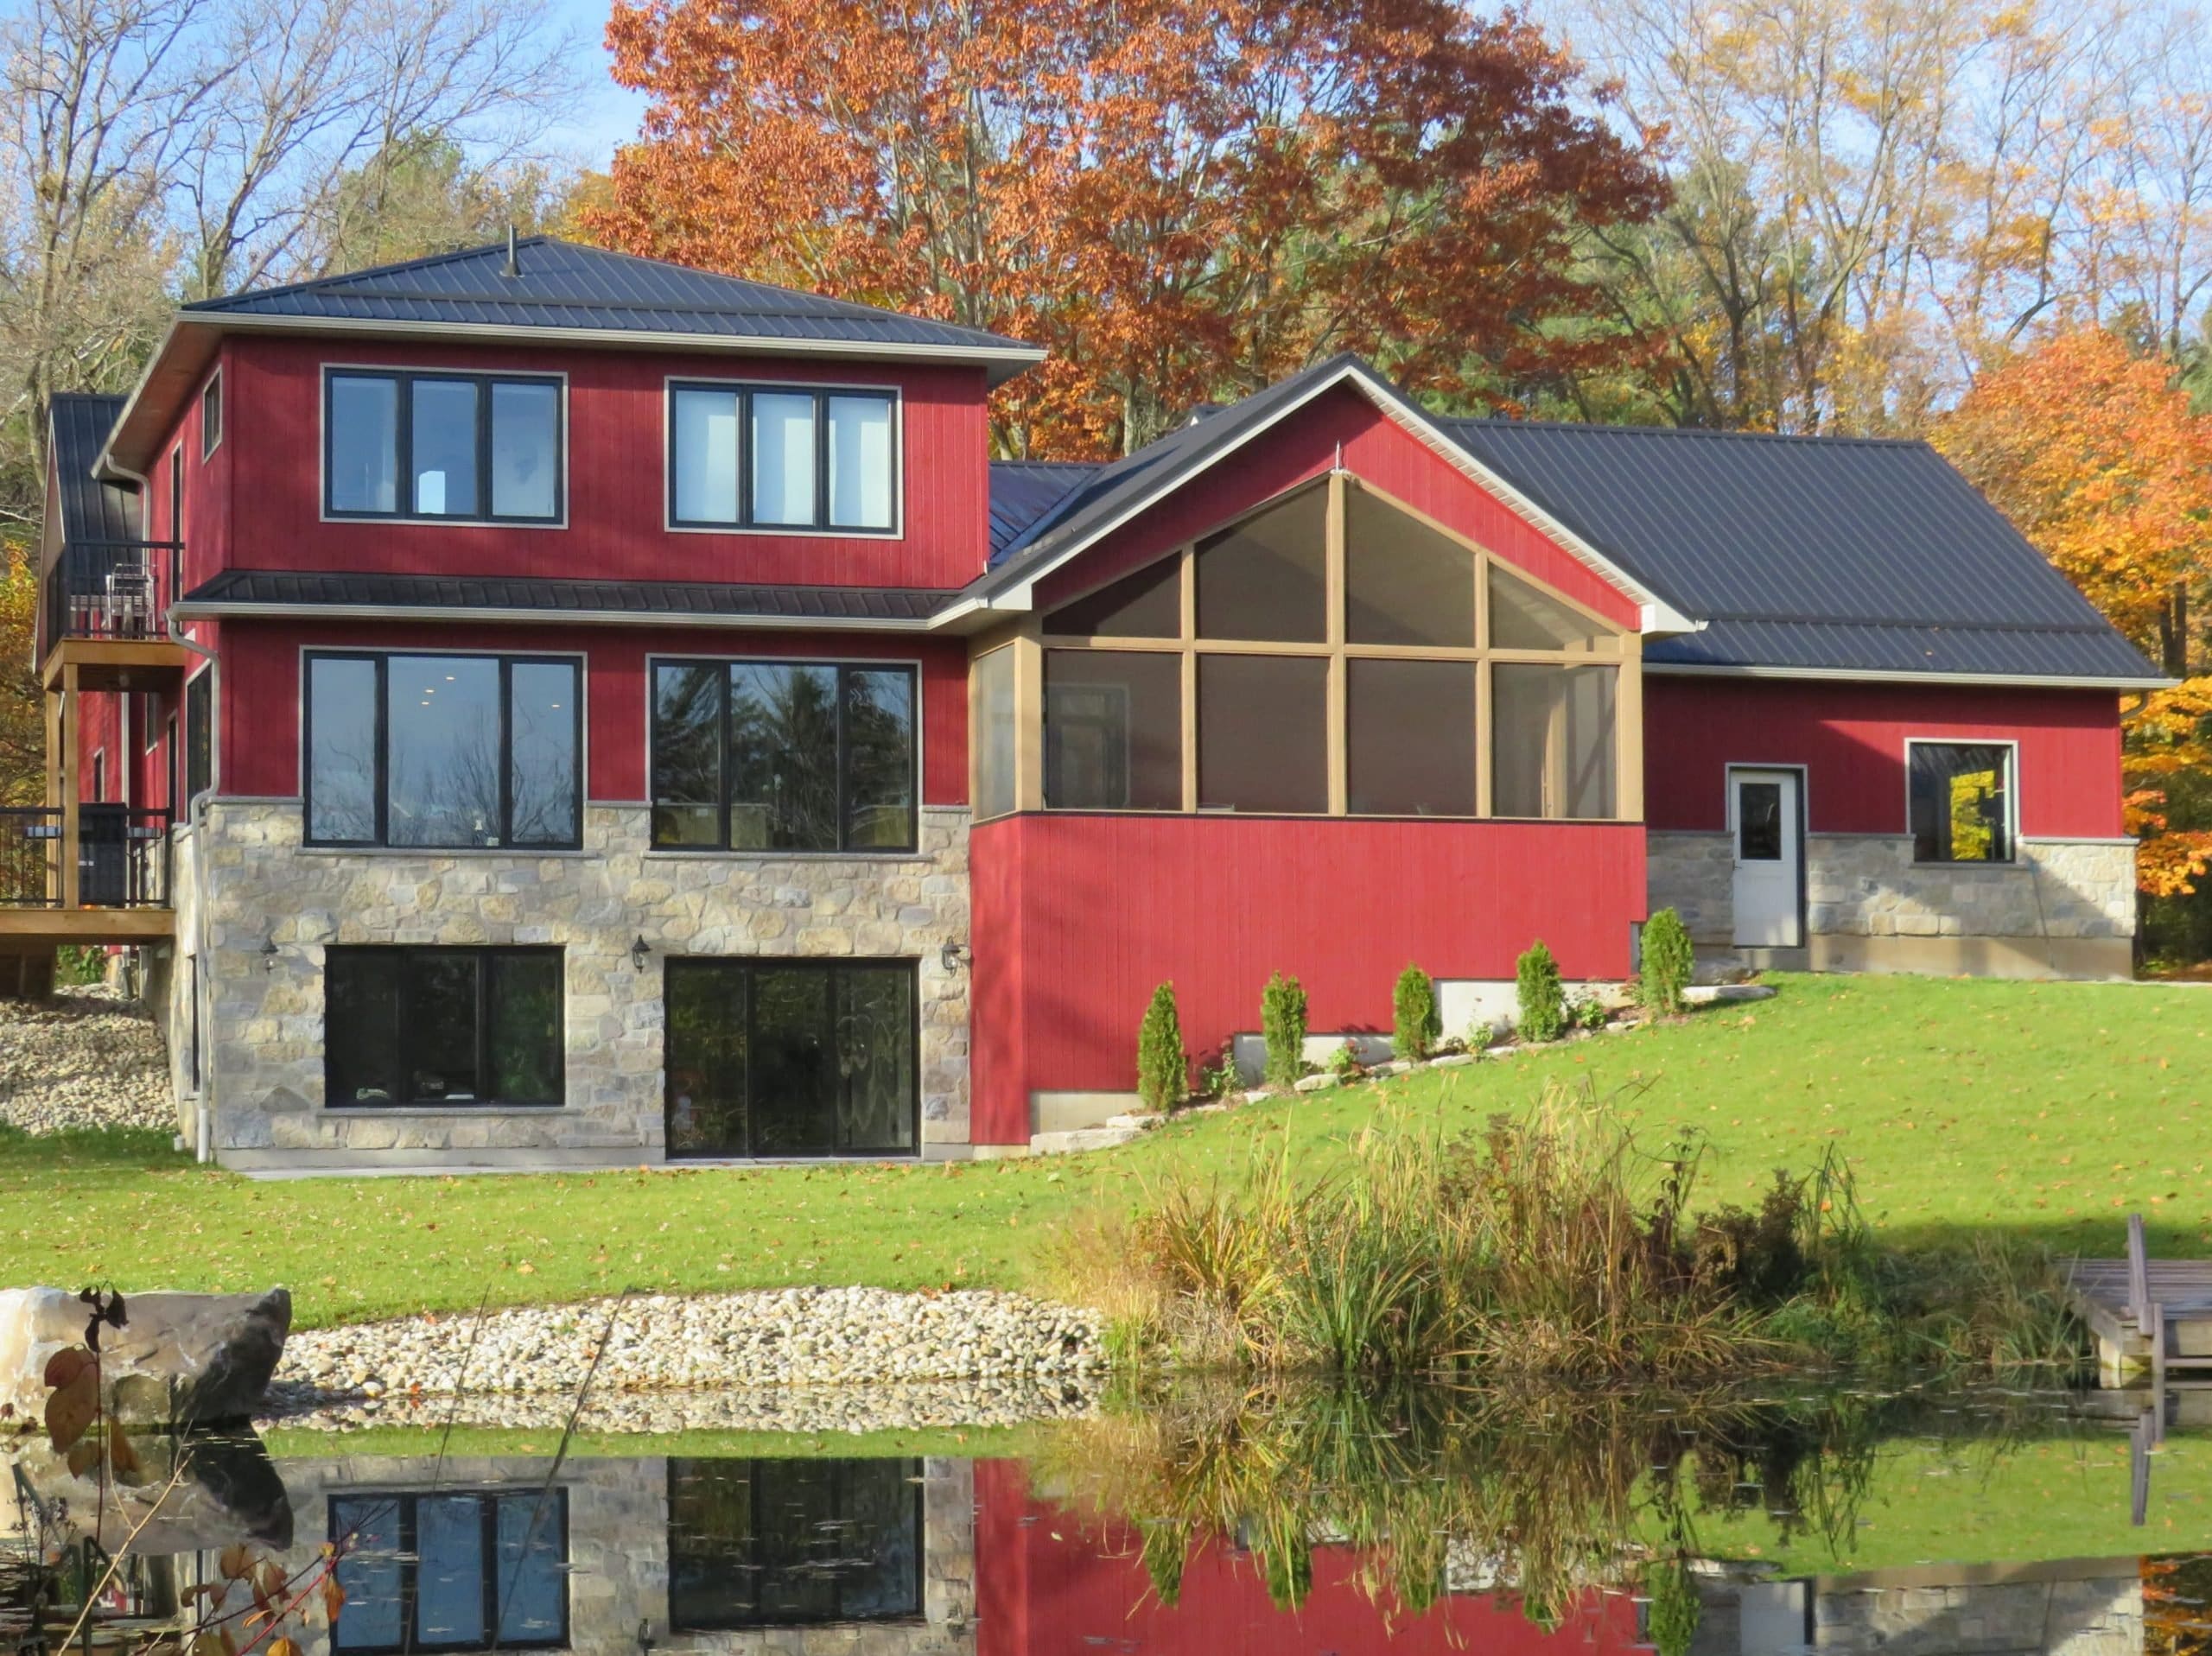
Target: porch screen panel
{"x": 1405, "y": 583}
{"x": 1267, "y": 578}
{"x": 1147, "y": 605}
{"x": 1263, "y": 734}
{"x": 1552, "y": 741}
{"x": 1411, "y": 737}
{"x": 1521, "y": 617}
{"x": 994, "y": 734}
{"x": 1113, "y": 730}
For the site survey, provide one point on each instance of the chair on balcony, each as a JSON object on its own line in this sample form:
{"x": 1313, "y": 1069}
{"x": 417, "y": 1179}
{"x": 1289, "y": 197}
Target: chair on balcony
{"x": 128, "y": 607}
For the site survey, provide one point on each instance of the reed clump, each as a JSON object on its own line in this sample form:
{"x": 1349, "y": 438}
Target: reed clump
{"x": 1559, "y": 1244}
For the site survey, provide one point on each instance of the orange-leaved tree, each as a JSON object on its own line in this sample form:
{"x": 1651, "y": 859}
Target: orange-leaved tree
{"x": 1182, "y": 200}
{"x": 2092, "y": 449}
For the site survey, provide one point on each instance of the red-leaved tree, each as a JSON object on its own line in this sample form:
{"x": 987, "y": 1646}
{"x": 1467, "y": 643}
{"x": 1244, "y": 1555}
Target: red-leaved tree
{"x": 1182, "y": 201}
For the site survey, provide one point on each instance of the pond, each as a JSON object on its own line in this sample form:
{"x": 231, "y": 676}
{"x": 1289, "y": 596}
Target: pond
{"x": 1204, "y": 1519}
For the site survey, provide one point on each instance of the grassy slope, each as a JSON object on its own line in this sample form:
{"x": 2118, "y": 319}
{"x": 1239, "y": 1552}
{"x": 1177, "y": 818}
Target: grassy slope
{"x": 2047, "y": 1110}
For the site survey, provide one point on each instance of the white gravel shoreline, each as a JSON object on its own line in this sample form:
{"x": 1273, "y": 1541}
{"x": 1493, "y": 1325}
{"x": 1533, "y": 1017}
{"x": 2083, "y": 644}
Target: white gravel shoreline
{"x": 87, "y": 1058}
{"x": 986, "y": 1346}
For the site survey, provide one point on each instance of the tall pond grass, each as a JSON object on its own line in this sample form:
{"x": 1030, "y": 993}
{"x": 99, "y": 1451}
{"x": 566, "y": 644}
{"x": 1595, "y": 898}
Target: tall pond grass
{"x": 1558, "y": 1244}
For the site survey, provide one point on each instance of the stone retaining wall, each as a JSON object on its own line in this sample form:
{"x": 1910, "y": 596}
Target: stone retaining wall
{"x": 2067, "y": 904}
{"x": 263, "y": 1012}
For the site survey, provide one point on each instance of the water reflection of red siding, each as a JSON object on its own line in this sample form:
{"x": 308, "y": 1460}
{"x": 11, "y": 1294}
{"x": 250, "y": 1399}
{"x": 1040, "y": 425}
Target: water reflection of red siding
{"x": 1044, "y": 1588}
{"x": 1077, "y": 918}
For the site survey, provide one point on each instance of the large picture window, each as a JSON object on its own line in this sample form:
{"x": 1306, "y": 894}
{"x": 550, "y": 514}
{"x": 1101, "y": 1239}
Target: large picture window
{"x": 768, "y": 1544}
{"x": 461, "y": 447}
{"x": 771, "y": 457}
{"x": 783, "y": 755}
{"x": 452, "y": 751}
{"x": 1331, "y": 652}
{"x": 442, "y": 1026}
{"x": 441, "y": 1571}
{"x": 1962, "y": 801}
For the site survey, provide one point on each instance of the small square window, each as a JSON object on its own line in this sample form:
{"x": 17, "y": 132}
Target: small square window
{"x": 1962, "y": 801}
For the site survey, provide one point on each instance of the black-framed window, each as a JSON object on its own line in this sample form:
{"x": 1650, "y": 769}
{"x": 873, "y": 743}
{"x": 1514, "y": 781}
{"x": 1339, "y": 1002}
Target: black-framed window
{"x": 783, "y": 755}
{"x": 450, "y": 752}
{"x": 198, "y": 735}
{"x": 790, "y": 1543}
{"x": 771, "y": 457}
{"x": 1962, "y": 801}
{"x": 211, "y": 415}
{"x": 440, "y": 1570}
{"x": 442, "y": 1026}
{"x": 149, "y": 720}
{"x": 459, "y": 447}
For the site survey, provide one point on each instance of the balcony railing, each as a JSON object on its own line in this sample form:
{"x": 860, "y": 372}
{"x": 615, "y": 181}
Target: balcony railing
{"x": 112, "y": 590}
{"x": 123, "y": 857}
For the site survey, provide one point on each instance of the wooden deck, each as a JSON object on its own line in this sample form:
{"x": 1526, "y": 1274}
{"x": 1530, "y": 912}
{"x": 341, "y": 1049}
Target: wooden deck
{"x": 2146, "y": 1313}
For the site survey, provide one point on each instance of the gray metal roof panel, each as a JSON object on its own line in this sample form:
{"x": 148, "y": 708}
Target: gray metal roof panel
{"x": 288, "y": 589}
{"x": 567, "y": 285}
{"x": 90, "y": 510}
{"x": 1862, "y": 647}
{"x": 1022, "y": 492}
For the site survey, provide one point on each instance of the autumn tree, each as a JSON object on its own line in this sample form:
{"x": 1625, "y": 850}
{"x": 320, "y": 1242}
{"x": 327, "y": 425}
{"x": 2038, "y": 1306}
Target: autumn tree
{"x": 1182, "y": 201}
{"x": 2094, "y": 452}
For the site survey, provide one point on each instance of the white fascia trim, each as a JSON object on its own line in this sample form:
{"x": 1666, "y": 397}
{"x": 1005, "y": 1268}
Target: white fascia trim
{"x": 1656, "y": 615}
{"x": 443, "y": 614}
{"x": 2016, "y": 681}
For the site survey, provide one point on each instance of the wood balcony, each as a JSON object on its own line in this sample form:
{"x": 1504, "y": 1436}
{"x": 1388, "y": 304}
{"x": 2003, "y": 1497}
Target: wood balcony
{"x": 104, "y": 624}
{"x": 89, "y": 874}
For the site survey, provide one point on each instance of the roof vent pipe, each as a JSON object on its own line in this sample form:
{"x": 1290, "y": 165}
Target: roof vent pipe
{"x": 513, "y": 269}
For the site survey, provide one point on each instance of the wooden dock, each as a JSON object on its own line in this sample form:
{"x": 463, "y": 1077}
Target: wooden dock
{"x": 2146, "y": 1313}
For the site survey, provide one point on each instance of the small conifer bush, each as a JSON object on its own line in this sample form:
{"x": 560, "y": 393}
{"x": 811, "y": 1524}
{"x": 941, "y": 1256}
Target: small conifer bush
{"x": 1668, "y": 961}
{"x": 1283, "y": 1024}
{"x": 1163, "y": 1070}
{"x": 1415, "y": 1024}
{"x": 1543, "y": 1002}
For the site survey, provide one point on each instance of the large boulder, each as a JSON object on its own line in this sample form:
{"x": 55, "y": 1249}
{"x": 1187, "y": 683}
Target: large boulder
{"x": 179, "y": 1360}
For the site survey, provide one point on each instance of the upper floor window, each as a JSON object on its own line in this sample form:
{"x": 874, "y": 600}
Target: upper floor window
{"x": 447, "y": 751}
{"x": 463, "y": 448}
{"x": 782, "y": 457}
{"x": 1328, "y": 653}
{"x": 211, "y": 415}
{"x": 783, "y": 755}
{"x": 1961, "y": 801}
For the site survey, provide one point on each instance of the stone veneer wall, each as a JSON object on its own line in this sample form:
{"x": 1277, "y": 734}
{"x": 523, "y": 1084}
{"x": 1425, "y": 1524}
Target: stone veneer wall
{"x": 618, "y": 1552}
{"x": 262, "y": 1027}
{"x": 2073, "y": 892}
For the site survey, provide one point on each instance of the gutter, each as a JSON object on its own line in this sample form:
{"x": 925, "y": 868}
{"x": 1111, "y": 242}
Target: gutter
{"x": 1893, "y": 675}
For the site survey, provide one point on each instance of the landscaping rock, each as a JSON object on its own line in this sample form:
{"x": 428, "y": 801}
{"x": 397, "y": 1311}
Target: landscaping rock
{"x": 1454, "y": 1060}
{"x": 179, "y": 1359}
{"x": 1706, "y": 994}
{"x": 817, "y": 1337}
{"x": 87, "y": 1058}
{"x": 1081, "y": 1139}
{"x": 1394, "y": 1067}
{"x": 1313, "y": 1084}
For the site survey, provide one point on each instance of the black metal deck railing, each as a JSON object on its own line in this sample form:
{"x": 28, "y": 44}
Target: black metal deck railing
{"x": 112, "y": 589}
{"x": 123, "y": 857}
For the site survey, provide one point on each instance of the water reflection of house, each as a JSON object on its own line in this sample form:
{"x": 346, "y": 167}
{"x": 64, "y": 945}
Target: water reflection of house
{"x": 2077, "y": 1607}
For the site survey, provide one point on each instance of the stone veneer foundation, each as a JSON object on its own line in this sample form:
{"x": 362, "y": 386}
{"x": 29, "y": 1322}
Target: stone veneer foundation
{"x": 2066, "y": 908}
{"x": 246, "y": 885}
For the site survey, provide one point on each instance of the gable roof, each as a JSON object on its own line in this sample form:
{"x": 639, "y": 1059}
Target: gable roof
{"x": 1810, "y": 554}
{"x": 561, "y": 290}
{"x": 1116, "y": 492}
{"x": 90, "y": 510}
{"x": 1818, "y": 556}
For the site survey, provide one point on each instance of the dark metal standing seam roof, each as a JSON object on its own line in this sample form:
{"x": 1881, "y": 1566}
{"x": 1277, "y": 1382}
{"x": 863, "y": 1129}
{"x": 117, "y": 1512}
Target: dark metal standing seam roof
{"x": 1810, "y": 552}
{"x": 567, "y": 285}
{"x": 90, "y": 510}
{"x": 677, "y": 600}
{"x": 1023, "y": 492}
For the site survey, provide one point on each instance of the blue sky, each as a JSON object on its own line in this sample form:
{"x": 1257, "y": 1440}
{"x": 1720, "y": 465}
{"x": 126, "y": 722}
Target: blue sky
{"x": 606, "y": 114}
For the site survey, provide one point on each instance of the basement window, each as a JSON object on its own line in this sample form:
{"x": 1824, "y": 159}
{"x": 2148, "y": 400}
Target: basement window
{"x": 441, "y": 1027}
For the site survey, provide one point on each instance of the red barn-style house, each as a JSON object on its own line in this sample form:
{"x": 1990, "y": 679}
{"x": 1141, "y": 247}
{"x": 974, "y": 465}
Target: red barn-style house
{"x": 536, "y": 706}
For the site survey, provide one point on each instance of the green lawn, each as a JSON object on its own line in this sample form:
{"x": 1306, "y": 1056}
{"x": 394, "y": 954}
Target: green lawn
{"x": 2045, "y": 1109}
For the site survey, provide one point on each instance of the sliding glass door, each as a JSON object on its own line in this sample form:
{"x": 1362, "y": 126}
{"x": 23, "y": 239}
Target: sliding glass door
{"x": 791, "y": 1058}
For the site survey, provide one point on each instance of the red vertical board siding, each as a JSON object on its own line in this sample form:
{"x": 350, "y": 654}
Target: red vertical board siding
{"x": 1850, "y": 738}
{"x": 1092, "y": 912}
{"x": 261, "y": 686}
{"x": 1339, "y": 424}
{"x": 1053, "y": 1582}
{"x": 617, "y": 466}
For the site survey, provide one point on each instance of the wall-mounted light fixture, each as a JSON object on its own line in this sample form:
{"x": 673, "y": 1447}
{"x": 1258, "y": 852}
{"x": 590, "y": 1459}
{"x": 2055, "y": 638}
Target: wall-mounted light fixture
{"x": 953, "y": 956}
{"x": 268, "y": 955}
{"x": 640, "y": 953}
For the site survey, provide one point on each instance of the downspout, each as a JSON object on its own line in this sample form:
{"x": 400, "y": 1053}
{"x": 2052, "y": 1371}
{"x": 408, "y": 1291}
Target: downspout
{"x": 204, "y": 1146}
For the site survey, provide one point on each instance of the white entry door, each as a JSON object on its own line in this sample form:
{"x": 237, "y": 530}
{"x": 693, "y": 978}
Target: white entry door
{"x": 1762, "y": 811}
